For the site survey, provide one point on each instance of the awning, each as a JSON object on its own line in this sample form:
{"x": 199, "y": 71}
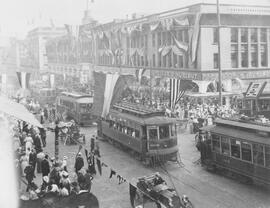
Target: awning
{"x": 211, "y": 94}
{"x": 18, "y": 111}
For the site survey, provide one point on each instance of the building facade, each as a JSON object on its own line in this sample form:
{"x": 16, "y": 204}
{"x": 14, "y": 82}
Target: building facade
{"x": 181, "y": 43}
{"x": 35, "y": 45}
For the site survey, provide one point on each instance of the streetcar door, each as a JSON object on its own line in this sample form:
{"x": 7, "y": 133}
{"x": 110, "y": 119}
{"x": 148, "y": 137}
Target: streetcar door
{"x": 152, "y": 137}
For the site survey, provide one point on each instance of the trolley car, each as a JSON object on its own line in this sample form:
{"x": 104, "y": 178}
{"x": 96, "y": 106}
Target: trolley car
{"x": 75, "y": 106}
{"x": 256, "y": 101}
{"x": 146, "y": 132}
{"x": 239, "y": 146}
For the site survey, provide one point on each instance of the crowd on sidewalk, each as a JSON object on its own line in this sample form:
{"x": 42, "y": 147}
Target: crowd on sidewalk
{"x": 30, "y": 160}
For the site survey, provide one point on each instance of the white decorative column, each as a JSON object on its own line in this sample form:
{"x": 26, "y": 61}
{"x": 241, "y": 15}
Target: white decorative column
{"x": 227, "y": 85}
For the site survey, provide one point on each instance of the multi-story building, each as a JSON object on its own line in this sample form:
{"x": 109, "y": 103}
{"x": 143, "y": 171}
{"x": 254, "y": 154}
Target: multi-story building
{"x": 35, "y": 47}
{"x": 183, "y": 43}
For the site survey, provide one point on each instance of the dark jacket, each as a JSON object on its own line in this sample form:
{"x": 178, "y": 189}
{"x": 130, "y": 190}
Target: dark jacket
{"x": 29, "y": 173}
{"x": 45, "y": 167}
{"x": 79, "y": 163}
{"x": 32, "y": 158}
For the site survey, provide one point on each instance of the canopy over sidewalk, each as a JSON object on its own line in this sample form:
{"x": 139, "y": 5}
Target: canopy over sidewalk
{"x": 18, "y": 111}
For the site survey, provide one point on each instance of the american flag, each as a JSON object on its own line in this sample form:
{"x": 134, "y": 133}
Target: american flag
{"x": 176, "y": 93}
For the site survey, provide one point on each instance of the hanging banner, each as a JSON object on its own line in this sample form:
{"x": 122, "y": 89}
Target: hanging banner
{"x": 52, "y": 80}
{"x": 24, "y": 79}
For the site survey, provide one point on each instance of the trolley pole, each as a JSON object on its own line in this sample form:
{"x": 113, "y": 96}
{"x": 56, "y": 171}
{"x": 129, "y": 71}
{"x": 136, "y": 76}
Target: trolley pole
{"x": 219, "y": 57}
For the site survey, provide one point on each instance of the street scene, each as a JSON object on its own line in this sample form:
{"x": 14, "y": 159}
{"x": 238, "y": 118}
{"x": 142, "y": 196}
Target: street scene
{"x": 135, "y": 104}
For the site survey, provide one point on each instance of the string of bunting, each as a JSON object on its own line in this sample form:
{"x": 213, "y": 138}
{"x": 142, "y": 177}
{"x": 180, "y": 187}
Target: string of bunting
{"x": 121, "y": 179}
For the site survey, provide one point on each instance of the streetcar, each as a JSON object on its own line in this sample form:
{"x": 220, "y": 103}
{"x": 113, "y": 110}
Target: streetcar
{"x": 145, "y": 132}
{"x": 256, "y": 101}
{"x": 45, "y": 96}
{"x": 75, "y": 106}
{"x": 238, "y": 146}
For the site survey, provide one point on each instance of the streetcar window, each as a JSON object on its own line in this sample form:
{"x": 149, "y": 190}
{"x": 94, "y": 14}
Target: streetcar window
{"x": 225, "y": 146}
{"x": 246, "y": 151}
{"x": 235, "y": 148}
{"x": 267, "y": 156}
{"x": 216, "y": 143}
{"x": 153, "y": 134}
{"x": 173, "y": 130}
{"x": 164, "y": 131}
{"x": 258, "y": 156}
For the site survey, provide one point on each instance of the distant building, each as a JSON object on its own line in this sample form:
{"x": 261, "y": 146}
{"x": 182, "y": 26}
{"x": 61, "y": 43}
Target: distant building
{"x": 35, "y": 44}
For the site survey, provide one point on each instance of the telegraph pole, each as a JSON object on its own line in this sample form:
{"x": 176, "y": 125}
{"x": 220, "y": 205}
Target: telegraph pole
{"x": 219, "y": 57}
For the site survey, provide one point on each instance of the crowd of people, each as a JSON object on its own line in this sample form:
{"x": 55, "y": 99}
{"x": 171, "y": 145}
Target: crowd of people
{"x": 56, "y": 178}
{"x": 31, "y": 160}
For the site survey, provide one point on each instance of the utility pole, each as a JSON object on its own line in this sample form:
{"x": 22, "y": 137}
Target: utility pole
{"x": 219, "y": 57}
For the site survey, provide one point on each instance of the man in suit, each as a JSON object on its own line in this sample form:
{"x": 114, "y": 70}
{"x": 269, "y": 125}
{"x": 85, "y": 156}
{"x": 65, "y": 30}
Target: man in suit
{"x": 45, "y": 166}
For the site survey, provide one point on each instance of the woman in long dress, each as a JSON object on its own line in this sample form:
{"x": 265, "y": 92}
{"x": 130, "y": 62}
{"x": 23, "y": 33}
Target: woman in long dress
{"x": 24, "y": 163}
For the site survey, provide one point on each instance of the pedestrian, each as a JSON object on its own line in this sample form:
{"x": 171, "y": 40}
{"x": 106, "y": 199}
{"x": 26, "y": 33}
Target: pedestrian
{"x": 92, "y": 145}
{"x": 64, "y": 164}
{"x": 29, "y": 175}
{"x": 33, "y": 160}
{"x": 45, "y": 113}
{"x": 64, "y": 181}
{"x": 28, "y": 144}
{"x": 22, "y": 137}
{"x": 42, "y": 117}
{"x": 79, "y": 163}
{"x": 43, "y": 136}
{"x": 91, "y": 164}
{"x": 24, "y": 163}
{"x": 40, "y": 157}
{"x": 37, "y": 143}
{"x": 55, "y": 174}
{"x": 45, "y": 166}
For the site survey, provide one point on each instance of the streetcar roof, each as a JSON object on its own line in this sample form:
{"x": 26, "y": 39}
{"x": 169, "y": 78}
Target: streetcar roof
{"x": 238, "y": 134}
{"x": 152, "y": 120}
{"x": 232, "y": 123}
{"x": 85, "y": 100}
{"x": 75, "y": 95}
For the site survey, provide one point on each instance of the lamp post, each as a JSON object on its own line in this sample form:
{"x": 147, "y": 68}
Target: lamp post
{"x": 219, "y": 57}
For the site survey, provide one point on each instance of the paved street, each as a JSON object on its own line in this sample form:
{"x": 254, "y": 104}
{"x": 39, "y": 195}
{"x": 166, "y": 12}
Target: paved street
{"x": 205, "y": 189}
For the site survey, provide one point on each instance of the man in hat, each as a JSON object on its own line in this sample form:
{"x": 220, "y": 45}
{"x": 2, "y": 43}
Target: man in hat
{"x": 45, "y": 166}
{"x": 33, "y": 160}
{"x": 79, "y": 163}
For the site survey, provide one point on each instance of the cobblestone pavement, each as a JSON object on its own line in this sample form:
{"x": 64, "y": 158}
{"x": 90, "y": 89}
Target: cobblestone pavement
{"x": 205, "y": 189}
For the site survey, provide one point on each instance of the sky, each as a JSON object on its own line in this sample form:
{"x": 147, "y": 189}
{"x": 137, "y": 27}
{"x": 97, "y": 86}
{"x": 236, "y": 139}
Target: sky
{"x": 19, "y": 16}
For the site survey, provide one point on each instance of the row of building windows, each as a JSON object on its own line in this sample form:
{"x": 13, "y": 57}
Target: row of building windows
{"x": 250, "y": 152}
{"x": 246, "y": 50}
